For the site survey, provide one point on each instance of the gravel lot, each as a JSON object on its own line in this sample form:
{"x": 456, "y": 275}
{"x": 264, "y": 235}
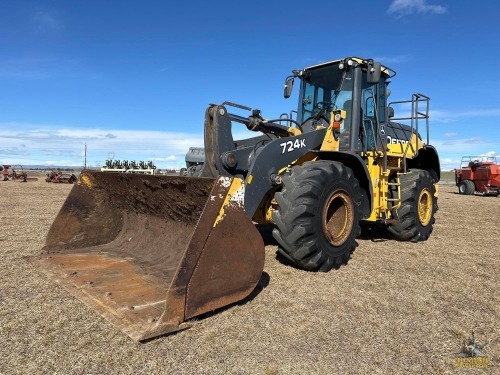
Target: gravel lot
{"x": 395, "y": 308}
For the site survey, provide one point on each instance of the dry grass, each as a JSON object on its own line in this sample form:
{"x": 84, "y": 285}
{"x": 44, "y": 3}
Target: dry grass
{"x": 395, "y": 308}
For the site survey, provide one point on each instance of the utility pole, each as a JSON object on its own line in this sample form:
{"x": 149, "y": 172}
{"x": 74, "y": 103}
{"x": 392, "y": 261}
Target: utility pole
{"x": 85, "y": 165}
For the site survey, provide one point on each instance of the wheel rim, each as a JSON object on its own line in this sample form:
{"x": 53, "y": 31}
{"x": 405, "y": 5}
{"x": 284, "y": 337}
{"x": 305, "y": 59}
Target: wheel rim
{"x": 425, "y": 207}
{"x": 461, "y": 188}
{"x": 338, "y": 218}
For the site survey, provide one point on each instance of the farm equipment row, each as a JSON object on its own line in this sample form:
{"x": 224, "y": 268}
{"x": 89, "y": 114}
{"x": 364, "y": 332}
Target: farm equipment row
{"x": 60, "y": 177}
{"x": 11, "y": 174}
{"x": 125, "y": 166}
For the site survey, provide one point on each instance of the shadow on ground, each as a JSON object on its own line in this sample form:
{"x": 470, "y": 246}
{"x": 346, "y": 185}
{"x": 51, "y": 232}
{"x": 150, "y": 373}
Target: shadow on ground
{"x": 261, "y": 285}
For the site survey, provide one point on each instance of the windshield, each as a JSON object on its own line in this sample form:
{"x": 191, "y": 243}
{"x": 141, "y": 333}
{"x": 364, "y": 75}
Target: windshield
{"x": 324, "y": 89}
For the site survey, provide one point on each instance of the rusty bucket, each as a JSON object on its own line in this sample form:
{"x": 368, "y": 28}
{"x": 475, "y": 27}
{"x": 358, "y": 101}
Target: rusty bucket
{"x": 150, "y": 252}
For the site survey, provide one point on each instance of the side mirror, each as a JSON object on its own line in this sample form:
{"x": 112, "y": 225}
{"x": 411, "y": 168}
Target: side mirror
{"x": 390, "y": 112}
{"x": 374, "y": 71}
{"x": 288, "y": 86}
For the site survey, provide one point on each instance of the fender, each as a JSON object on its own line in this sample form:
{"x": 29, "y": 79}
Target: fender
{"x": 358, "y": 166}
{"x": 427, "y": 158}
{"x": 275, "y": 156}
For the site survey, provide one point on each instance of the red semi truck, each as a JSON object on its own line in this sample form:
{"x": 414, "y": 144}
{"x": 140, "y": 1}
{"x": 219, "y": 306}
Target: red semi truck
{"x": 478, "y": 174}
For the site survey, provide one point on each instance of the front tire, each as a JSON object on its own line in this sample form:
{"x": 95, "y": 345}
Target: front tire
{"x": 318, "y": 215}
{"x": 466, "y": 187}
{"x": 418, "y": 205}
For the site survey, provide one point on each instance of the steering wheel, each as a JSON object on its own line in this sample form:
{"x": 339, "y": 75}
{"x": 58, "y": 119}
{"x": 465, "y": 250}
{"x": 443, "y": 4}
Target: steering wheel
{"x": 318, "y": 117}
{"x": 322, "y": 107}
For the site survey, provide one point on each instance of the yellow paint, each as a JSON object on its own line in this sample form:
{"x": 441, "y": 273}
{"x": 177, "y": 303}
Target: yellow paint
{"x": 425, "y": 207}
{"x": 410, "y": 148}
{"x": 308, "y": 156}
{"x": 273, "y": 206}
{"x": 383, "y": 68}
{"x": 263, "y": 214}
{"x": 249, "y": 179}
{"x": 86, "y": 180}
{"x": 236, "y": 184}
{"x": 330, "y": 142}
{"x": 380, "y": 185}
{"x": 375, "y": 172}
{"x": 294, "y": 131}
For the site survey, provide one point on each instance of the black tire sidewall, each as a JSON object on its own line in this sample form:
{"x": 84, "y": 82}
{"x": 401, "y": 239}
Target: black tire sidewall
{"x": 311, "y": 185}
{"x": 466, "y": 187}
{"x": 470, "y": 187}
{"x": 408, "y": 227}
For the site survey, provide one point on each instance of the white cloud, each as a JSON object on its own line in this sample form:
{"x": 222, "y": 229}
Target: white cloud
{"x": 449, "y": 163}
{"x": 13, "y": 150}
{"x": 401, "y": 8}
{"x": 453, "y": 116}
{"x": 452, "y": 163}
{"x": 46, "y": 144}
{"x": 491, "y": 154}
{"x": 451, "y": 150}
{"x": 464, "y": 142}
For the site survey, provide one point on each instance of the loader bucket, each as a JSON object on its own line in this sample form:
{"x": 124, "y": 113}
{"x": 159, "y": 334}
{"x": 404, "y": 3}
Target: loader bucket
{"x": 150, "y": 252}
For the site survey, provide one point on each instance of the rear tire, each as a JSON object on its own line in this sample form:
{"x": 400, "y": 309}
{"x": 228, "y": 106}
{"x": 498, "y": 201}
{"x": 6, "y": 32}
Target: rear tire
{"x": 318, "y": 214}
{"x": 418, "y": 206}
{"x": 466, "y": 187}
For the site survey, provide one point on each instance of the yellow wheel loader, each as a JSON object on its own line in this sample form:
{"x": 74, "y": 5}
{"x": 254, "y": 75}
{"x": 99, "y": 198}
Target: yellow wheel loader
{"x": 150, "y": 252}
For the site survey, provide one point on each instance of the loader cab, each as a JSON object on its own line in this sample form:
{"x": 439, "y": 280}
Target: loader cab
{"x": 323, "y": 88}
{"x": 350, "y": 85}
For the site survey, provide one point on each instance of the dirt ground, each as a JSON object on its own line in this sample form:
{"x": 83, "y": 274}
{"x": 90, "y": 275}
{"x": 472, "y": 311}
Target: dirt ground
{"x": 396, "y": 308}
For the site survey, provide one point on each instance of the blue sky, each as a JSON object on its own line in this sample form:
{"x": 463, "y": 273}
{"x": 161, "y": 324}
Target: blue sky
{"x": 132, "y": 79}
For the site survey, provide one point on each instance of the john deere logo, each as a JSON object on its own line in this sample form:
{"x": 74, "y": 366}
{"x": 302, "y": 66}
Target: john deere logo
{"x": 471, "y": 355}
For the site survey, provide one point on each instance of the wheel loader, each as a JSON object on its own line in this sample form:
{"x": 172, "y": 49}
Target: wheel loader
{"x": 151, "y": 252}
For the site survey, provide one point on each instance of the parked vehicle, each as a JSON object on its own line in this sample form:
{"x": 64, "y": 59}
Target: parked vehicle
{"x": 478, "y": 175}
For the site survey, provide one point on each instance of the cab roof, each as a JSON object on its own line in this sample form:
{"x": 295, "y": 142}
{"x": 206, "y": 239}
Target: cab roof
{"x": 385, "y": 70}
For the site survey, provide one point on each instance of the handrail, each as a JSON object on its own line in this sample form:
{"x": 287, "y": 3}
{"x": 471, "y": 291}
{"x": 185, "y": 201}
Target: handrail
{"x": 416, "y": 114}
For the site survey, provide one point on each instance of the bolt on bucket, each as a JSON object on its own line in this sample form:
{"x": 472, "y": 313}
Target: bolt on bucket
{"x": 150, "y": 252}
